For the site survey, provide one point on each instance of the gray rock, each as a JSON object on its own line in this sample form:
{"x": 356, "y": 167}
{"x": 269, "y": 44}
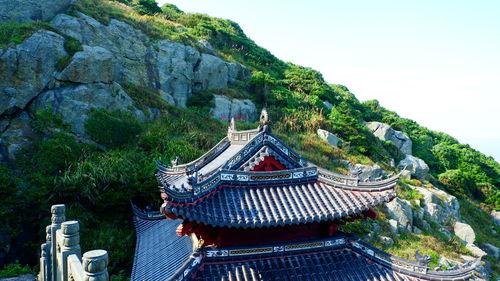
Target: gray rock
{"x": 17, "y": 135}
{"x": 440, "y": 206}
{"x": 386, "y": 133}
{"x": 464, "y": 232}
{"x": 445, "y": 232}
{"x": 329, "y": 137}
{"x": 172, "y": 68}
{"x": 369, "y": 173}
{"x": 416, "y": 166}
{"x": 226, "y": 108}
{"x": 29, "y": 10}
{"x": 74, "y": 103}
{"x": 207, "y": 47}
{"x": 92, "y": 65}
{"x": 386, "y": 241}
{"x": 496, "y": 216}
{"x": 393, "y": 224}
{"x": 28, "y": 68}
{"x": 406, "y": 174}
{"x": 426, "y": 226}
{"x": 328, "y": 105}
{"x": 417, "y": 230}
{"x": 491, "y": 250}
{"x": 447, "y": 262}
{"x": 400, "y": 210}
{"x": 24, "y": 277}
{"x": 475, "y": 250}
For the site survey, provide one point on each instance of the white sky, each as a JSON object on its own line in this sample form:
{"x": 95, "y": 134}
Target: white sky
{"x": 436, "y": 62}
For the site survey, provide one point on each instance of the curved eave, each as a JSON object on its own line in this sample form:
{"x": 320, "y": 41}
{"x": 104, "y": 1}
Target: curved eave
{"x": 269, "y": 206}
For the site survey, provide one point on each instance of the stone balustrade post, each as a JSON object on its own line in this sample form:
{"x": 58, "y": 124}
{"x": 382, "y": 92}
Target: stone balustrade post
{"x": 68, "y": 244}
{"x": 44, "y": 262}
{"x": 57, "y": 218}
{"x": 95, "y": 265}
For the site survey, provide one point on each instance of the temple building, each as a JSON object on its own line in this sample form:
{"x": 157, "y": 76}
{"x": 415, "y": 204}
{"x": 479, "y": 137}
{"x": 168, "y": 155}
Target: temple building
{"x": 252, "y": 208}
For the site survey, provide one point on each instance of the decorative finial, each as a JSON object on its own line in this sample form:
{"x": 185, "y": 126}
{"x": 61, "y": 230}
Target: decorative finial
{"x": 232, "y": 125}
{"x": 174, "y": 161}
{"x": 422, "y": 259}
{"x": 264, "y": 118}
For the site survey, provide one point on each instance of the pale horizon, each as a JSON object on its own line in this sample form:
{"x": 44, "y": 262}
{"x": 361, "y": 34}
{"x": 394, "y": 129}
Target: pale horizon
{"x": 435, "y": 63}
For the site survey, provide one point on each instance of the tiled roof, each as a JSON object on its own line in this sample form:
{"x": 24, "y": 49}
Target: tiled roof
{"x": 343, "y": 264}
{"x": 344, "y": 258}
{"x": 159, "y": 251}
{"x": 257, "y": 206}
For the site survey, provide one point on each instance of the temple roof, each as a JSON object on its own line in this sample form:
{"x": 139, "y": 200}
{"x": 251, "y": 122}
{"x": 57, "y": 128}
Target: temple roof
{"x": 159, "y": 252}
{"x": 161, "y": 255}
{"x": 283, "y": 204}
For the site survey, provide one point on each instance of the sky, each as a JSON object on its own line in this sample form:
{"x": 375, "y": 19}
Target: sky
{"x": 436, "y": 62}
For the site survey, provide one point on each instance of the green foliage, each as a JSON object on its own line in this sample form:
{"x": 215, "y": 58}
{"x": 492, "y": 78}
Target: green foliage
{"x": 62, "y": 63}
{"x": 18, "y": 32}
{"x": 15, "y": 269}
{"x": 309, "y": 81}
{"x": 171, "y": 11}
{"x": 71, "y": 45}
{"x": 113, "y": 130}
{"x": 144, "y": 97}
{"x": 146, "y": 7}
{"x": 47, "y": 122}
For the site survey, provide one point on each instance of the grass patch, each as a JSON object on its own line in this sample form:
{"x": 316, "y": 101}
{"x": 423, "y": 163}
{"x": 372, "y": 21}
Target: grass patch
{"x": 112, "y": 129}
{"x": 15, "y": 269}
{"x": 62, "y": 63}
{"x": 18, "y": 32}
{"x": 143, "y": 97}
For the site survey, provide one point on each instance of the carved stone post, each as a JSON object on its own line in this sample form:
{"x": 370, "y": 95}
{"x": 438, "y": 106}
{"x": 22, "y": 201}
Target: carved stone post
{"x": 58, "y": 217}
{"x": 44, "y": 262}
{"x": 68, "y": 244}
{"x": 95, "y": 265}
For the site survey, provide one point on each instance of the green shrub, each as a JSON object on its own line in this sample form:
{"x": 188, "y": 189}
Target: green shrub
{"x": 62, "y": 63}
{"x": 144, "y": 97}
{"x": 146, "y": 7}
{"x": 112, "y": 129}
{"x": 171, "y": 11}
{"x": 15, "y": 269}
{"x": 71, "y": 45}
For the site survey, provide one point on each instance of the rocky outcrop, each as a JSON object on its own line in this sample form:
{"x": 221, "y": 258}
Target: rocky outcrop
{"x": 172, "y": 68}
{"x": 386, "y": 241}
{"x": 329, "y": 137}
{"x": 400, "y": 211}
{"x": 75, "y": 102}
{"x": 28, "y": 68}
{"x": 416, "y": 166}
{"x": 29, "y": 10}
{"x": 496, "y": 216}
{"x": 240, "y": 109}
{"x": 491, "y": 250}
{"x": 386, "y": 133}
{"x": 438, "y": 205}
{"x": 92, "y": 65}
{"x": 464, "y": 232}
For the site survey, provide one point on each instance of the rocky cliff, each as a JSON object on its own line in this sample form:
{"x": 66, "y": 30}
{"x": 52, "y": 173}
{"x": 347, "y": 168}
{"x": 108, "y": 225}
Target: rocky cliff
{"x": 41, "y": 73}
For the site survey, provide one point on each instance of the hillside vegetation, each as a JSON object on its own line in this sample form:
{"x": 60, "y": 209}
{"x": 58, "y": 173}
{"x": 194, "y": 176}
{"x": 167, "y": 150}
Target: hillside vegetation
{"x": 97, "y": 179}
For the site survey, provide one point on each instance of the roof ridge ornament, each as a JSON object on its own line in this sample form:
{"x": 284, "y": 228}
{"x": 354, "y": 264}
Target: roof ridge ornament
{"x": 264, "y": 118}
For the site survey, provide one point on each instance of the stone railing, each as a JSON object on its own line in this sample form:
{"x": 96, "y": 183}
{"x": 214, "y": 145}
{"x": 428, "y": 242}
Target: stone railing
{"x": 61, "y": 258}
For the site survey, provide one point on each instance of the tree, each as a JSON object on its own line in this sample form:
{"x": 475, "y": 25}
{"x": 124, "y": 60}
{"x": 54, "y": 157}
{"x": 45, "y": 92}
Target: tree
{"x": 147, "y": 7}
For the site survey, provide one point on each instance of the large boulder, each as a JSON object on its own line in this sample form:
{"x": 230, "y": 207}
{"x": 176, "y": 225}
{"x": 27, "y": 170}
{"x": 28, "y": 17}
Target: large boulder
{"x": 440, "y": 206}
{"x": 29, "y": 10}
{"x": 475, "y": 250}
{"x": 418, "y": 168}
{"x": 329, "y": 137}
{"x": 92, "y": 65}
{"x": 400, "y": 210}
{"x": 386, "y": 133}
{"x": 75, "y": 103}
{"x": 172, "y": 68}
{"x": 28, "y": 68}
{"x": 464, "y": 232}
{"x": 239, "y": 109}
